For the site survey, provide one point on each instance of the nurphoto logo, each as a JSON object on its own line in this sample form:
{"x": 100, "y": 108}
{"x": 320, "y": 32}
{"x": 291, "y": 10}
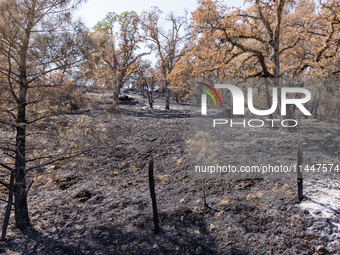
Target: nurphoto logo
{"x": 239, "y": 104}
{"x": 238, "y": 99}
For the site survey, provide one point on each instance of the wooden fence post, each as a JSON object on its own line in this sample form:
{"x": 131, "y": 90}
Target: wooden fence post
{"x": 8, "y": 208}
{"x": 153, "y": 197}
{"x": 299, "y": 171}
{"x": 203, "y": 190}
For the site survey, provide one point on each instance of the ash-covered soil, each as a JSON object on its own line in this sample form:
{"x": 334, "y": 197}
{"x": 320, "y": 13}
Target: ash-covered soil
{"x": 100, "y": 204}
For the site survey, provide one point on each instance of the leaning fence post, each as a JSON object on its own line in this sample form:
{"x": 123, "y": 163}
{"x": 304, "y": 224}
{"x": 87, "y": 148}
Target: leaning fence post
{"x": 299, "y": 171}
{"x": 153, "y": 196}
{"x": 8, "y": 208}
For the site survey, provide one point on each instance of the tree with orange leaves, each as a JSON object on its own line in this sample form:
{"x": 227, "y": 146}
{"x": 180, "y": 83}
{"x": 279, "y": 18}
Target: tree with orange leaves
{"x": 169, "y": 45}
{"x": 270, "y": 39}
{"x": 118, "y": 49}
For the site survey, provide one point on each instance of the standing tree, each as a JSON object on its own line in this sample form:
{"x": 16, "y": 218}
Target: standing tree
{"x": 37, "y": 39}
{"x": 147, "y": 79}
{"x": 270, "y": 39}
{"x": 253, "y": 40}
{"x": 170, "y": 45}
{"x": 179, "y": 78}
{"x": 119, "y": 49}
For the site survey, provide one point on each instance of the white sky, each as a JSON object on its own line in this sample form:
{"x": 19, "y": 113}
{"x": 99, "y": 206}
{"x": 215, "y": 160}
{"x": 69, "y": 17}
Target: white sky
{"x": 95, "y": 10}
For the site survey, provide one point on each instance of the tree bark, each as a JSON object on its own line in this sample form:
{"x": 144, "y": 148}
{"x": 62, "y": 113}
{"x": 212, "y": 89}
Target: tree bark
{"x": 290, "y": 115}
{"x": 20, "y": 189}
{"x": 276, "y": 39}
{"x": 116, "y": 93}
{"x": 9, "y": 207}
{"x": 167, "y": 97}
{"x": 269, "y": 101}
{"x": 151, "y": 101}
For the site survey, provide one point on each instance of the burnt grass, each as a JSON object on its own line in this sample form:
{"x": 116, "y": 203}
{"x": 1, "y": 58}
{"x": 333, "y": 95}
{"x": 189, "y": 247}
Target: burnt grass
{"x": 103, "y": 206}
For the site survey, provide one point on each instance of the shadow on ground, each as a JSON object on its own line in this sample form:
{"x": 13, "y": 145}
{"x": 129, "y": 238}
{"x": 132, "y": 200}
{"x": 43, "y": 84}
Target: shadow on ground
{"x": 176, "y": 237}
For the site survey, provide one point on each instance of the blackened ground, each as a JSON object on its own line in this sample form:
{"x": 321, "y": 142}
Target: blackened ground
{"x": 101, "y": 204}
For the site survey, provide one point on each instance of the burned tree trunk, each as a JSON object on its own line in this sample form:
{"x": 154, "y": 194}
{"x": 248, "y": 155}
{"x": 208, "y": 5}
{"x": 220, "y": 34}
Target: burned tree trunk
{"x": 167, "y": 98}
{"x": 153, "y": 197}
{"x": 269, "y": 101}
{"x": 20, "y": 188}
{"x": 9, "y": 207}
{"x": 299, "y": 171}
{"x": 290, "y": 116}
{"x": 151, "y": 103}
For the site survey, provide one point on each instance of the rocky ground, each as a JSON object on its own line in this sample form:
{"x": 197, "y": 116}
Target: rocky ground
{"x": 101, "y": 204}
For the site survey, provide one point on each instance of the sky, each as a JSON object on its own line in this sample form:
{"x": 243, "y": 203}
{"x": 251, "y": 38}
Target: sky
{"x": 95, "y": 10}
